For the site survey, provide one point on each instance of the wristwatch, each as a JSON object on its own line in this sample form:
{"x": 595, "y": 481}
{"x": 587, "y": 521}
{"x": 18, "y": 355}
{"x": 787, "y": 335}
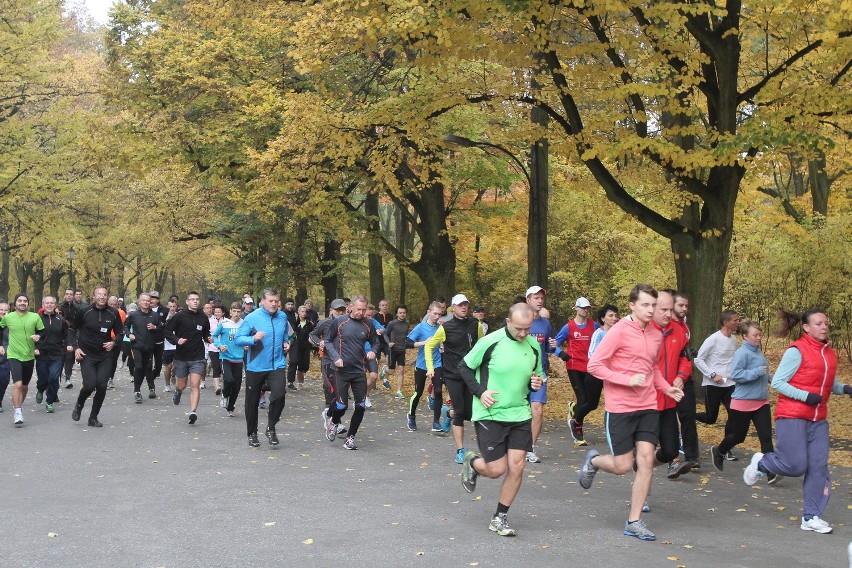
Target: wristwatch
{"x": 712, "y": 375}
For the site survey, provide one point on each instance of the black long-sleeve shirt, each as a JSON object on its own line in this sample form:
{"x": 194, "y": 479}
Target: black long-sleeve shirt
{"x": 95, "y": 326}
{"x": 137, "y": 324}
{"x": 195, "y": 328}
{"x": 346, "y": 340}
{"x": 54, "y": 338}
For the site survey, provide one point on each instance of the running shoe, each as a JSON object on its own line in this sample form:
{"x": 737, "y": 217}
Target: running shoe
{"x": 500, "y": 525}
{"x": 324, "y": 415}
{"x": 291, "y": 386}
{"x": 69, "y": 384}
{"x": 773, "y": 478}
{"x": 730, "y": 457}
{"x": 460, "y": 456}
{"x": 646, "y": 508}
{"x": 436, "y": 427}
{"x": 588, "y": 471}
{"x": 816, "y": 524}
{"x": 430, "y": 398}
{"x": 19, "y": 417}
{"x": 262, "y": 404}
{"x": 367, "y": 402}
{"x": 253, "y": 442}
{"x": 203, "y": 384}
{"x": 751, "y": 473}
{"x": 571, "y": 406}
{"x": 446, "y": 421}
{"x": 468, "y": 473}
{"x": 152, "y": 393}
{"x": 75, "y": 414}
{"x": 218, "y": 392}
{"x": 39, "y": 397}
{"x": 330, "y": 429}
{"x": 678, "y": 468}
{"x": 230, "y": 414}
{"x": 717, "y": 457}
{"x": 176, "y": 397}
{"x": 111, "y": 384}
{"x": 399, "y": 395}
{"x": 349, "y": 444}
{"x": 193, "y": 417}
{"x": 532, "y": 457}
{"x": 639, "y": 530}
{"x": 576, "y": 431}
{"x": 271, "y": 436}
{"x": 49, "y": 408}
{"x": 94, "y": 423}
{"x": 167, "y": 388}
{"x": 137, "y": 396}
{"x": 411, "y": 423}
{"x": 384, "y": 373}
{"x": 222, "y": 402}
{"x": 340, "y": 429}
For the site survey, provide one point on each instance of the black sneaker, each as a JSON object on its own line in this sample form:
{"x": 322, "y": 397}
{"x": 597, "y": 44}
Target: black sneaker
{"x": 75, "y": 414}
{"x": 193, "y": 417}
{"x": 69, "y": 384}
{"x": 218, "y": 392}
{"x": 176, "y": 397}
{"x": 93, "y": 422}
{"x": 718, "y": 458}
{"x": 138, "y": 397}
{"x": 730, "y": 457}
{"x": 253, "y": 442}
{"x": 152, "y": 393}
{"x": 678, "y": 468}
{"x": 291, "y": 386}
{"x": 271, "y": 436}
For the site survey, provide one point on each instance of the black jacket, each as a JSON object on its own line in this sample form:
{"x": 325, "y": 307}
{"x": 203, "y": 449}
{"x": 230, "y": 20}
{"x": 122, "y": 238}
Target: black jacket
{"x": 54, "y": 339}
{"x": 195, "y": 328}
{"x": 137, "y": 324}
{"x": 94, "y": 328}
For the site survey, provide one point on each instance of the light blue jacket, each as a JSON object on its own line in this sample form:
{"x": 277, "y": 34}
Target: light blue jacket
{"x": 226, "y": 334}
{"x": 752, "y": 382}
{"x": 267, "y": 354}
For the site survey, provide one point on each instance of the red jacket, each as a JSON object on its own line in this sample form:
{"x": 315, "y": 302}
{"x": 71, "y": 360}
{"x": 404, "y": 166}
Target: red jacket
{"x": 672, "y": 360}
{"x": 816, "y": 374}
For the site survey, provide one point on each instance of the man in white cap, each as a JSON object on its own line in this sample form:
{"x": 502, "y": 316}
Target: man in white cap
{"x": 577, "y": 335}
{"x": 458, "y": 334}
{"x": 542, "y": 332}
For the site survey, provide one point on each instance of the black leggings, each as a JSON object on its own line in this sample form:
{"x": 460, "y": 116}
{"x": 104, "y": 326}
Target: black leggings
{"x": 142, "y": 366}
{"x": 254, "y": 382}
{"x": 669, "y": 436}
{"x": 686, "y": 413}
{"x": 420, "y": 385}
{"x": 737, "y": 428}
{"x": 462, "y": 400}
{"x": 96, "y": 374}
{"x": 357, "y": 383}
{"x": 215, "y": 363}
{"x": 232, "y": 375}
{"x": 578, "y": 383}
{"x": 69, "y": 364}
{"x": 713, "y": 397}
{"x": 593, "y": 388}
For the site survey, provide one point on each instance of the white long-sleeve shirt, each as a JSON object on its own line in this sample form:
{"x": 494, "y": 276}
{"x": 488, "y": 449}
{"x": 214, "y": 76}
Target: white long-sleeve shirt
{"x": 715, "y": 356}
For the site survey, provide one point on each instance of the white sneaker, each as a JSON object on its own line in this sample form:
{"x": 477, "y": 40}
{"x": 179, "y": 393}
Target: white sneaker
{"x": 19, "y": 417}
{"x": 167, "y": 389}
{"x": 222, "y": 401}
{"x": 532, "y": 457}
{"x": 203, "y": 385}
{"x": 367, "y": 402}
{"x": 751, "y": 473}
{"x": 817, "y": 525}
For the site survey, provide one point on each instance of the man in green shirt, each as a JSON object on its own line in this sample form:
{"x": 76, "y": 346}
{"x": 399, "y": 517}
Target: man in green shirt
{"x": 500, "y": 371}
{"x": 23, "y": 326}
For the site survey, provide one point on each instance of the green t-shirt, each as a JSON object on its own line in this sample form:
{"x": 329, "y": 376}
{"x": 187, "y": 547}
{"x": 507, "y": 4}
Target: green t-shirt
{"x": 21, "y": 328}
{"x": 505, "y": 365}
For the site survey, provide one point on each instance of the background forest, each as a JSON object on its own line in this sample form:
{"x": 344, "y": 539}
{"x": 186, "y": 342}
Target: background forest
{"x": 409, "y": 149}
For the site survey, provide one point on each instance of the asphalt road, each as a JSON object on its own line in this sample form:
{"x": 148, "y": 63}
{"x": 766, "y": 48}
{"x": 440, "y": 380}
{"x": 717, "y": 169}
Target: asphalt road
{"x": 149, "y": 490}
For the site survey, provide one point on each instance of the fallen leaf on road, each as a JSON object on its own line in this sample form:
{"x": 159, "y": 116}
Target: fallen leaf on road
{"x": 270, "y": 524}
{"x": 309, "y": 541}
{"x": 52, "y": 534}
{"x": 673, "y": 558}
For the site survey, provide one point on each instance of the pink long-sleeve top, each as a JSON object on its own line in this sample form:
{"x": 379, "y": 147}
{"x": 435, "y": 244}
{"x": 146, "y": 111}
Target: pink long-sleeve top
{"x": 625, "y": 350}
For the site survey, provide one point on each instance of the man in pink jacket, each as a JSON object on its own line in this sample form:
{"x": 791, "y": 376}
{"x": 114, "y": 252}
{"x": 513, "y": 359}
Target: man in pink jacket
{"x": 625, "y": 361}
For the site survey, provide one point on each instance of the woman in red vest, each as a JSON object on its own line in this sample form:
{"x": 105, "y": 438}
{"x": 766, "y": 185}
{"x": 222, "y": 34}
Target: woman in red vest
{"x": 805, "y": 379}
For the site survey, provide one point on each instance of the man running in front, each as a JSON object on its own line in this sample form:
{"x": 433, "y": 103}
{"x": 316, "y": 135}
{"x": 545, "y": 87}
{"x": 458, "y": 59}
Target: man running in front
{"x": 500, "y": 371}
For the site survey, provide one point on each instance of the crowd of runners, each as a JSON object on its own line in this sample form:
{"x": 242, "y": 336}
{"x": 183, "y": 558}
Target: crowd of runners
{"x": 641, "y": 364}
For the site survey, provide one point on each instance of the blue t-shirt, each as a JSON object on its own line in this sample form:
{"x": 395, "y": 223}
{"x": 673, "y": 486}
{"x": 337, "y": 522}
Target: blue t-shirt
{"x": 541, "y": 331}
{"x": 422, "y": 332}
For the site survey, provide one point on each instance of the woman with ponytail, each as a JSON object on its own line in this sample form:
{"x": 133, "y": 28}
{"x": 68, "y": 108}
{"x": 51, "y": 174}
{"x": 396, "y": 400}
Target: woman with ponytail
{"x": 805, "y": 380}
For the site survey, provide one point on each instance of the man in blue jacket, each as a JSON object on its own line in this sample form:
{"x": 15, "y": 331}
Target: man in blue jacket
{"x": 265, "y": 333}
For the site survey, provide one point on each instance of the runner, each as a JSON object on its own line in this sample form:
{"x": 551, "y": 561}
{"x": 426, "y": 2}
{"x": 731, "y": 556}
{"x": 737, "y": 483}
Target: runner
{"x": 97, "y": 327}
{"x": 625, "y": 361}
{"x": 345, "y": 347}
{"x": 232, "y": 355}
{"x": 265, "y": 333}
{"x": 213, "y": 352}
{"x": 189, "y": 331}
{"x": 805, "y": 379}
{"x": 169, "y": 349}
{"x": 458, "y": 336}
{"x": 395, "y": 334}
{"x": 542, "y": 332}
{"x": 69, "y": 309}
{"x": 749, "y": 402}
{"x": 300, "y": 350}
{"x": 500, "y": 371}
{"x": 714, "y": 361}
{"x": 5, "y": 372}
{"x": 142, "y": 327}
{"x": 417, "y": 340}
{"x": 577, "y": 334}
{"x": 317, "y": 338}
{"x": 25, "y": 329}
{"x": 50, "y": 353}
{"x": 607, "y": 317}
{"x": 686, "y": 405}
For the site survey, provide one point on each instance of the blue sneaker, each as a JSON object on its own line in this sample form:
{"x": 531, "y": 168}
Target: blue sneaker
{"x": 446, "y": 421}
{"x": 436, "y": 427}
{"x": 460, "y": 456}
{"x": 412, "y": 423}
{"x": 431, "y": 400}
{"x": 176, "y": 397}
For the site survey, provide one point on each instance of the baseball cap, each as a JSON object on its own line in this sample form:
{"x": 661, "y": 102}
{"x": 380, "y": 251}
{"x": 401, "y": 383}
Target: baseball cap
{"x": 459, "y": 299}
{"x": 582, "y": 303}
{"x": 154, "y": 294}
{"x": 248, "y": 300}
{"x": 478, "y": 309}
{"x": 535, "y": 290}
{"x": 338, "y": 304}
